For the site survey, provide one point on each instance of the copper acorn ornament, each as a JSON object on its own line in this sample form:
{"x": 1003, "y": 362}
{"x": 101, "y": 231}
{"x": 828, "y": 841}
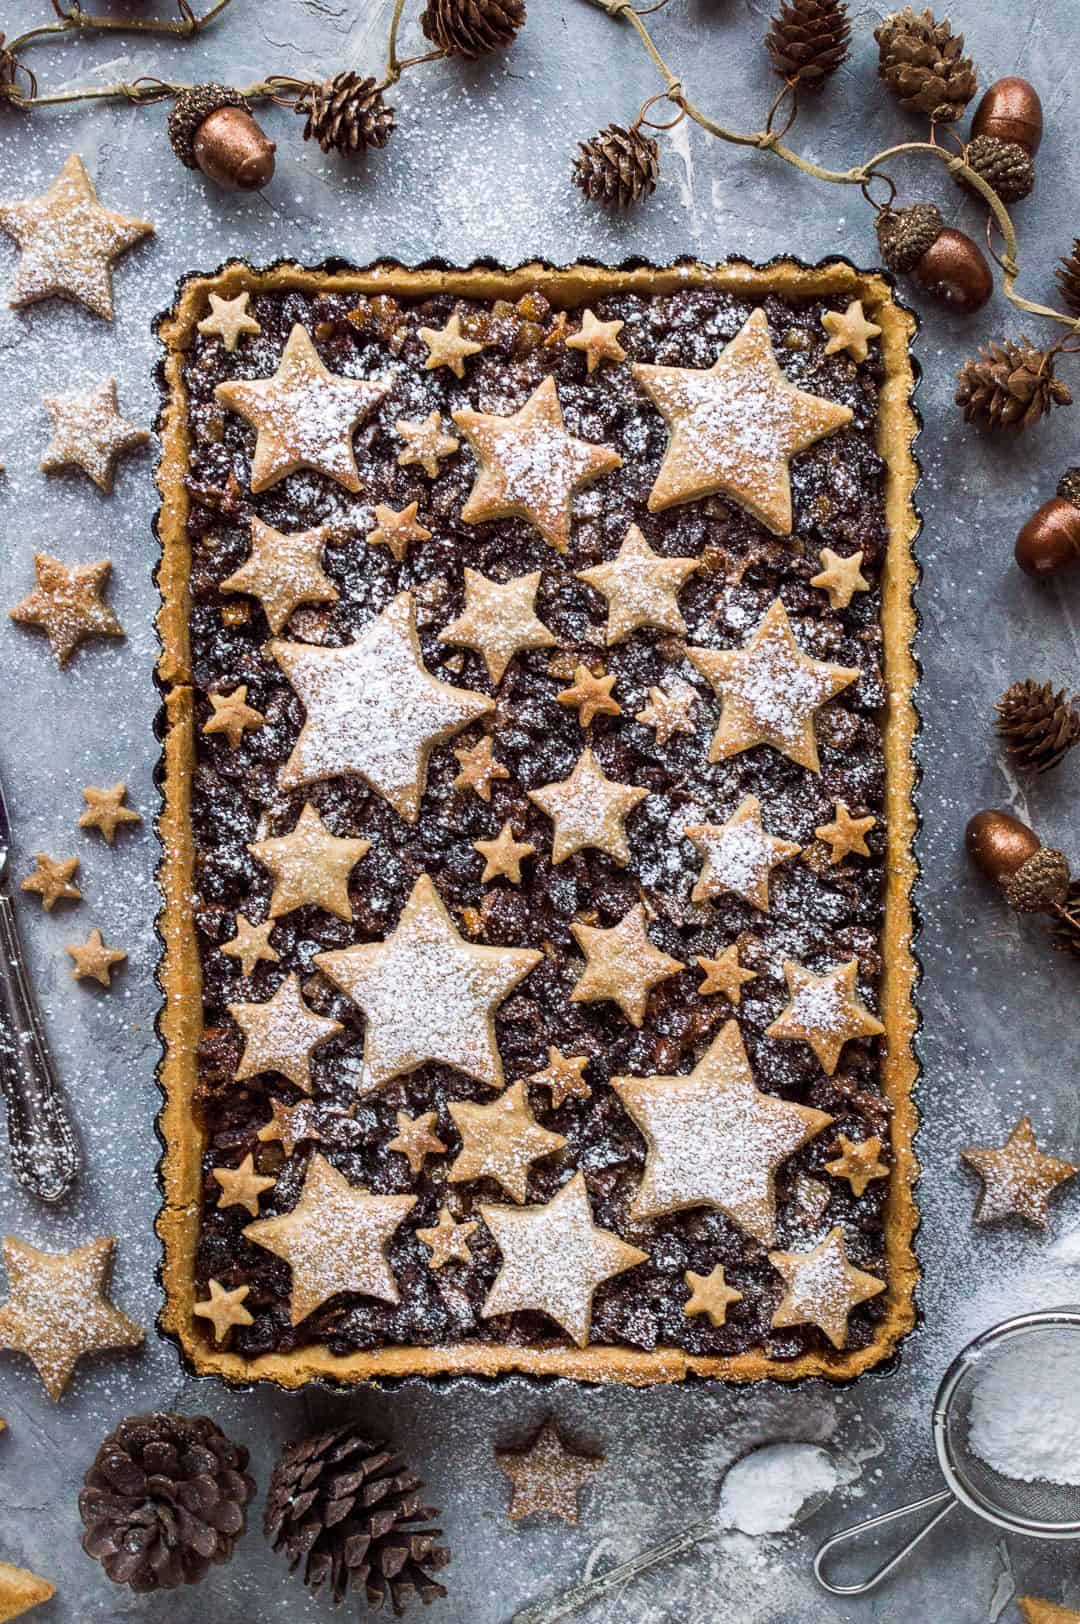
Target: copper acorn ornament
{"x": 1033, "y": 878}
{"x": 916, "y": 241}
{"x": 1051, "y": 537}
{"x": 1010, "y": 110}
{"x": 211, "y": 128}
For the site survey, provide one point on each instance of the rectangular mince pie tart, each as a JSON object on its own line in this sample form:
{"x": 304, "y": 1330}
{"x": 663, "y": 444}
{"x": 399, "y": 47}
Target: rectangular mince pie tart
{"x": 537, "y": 825}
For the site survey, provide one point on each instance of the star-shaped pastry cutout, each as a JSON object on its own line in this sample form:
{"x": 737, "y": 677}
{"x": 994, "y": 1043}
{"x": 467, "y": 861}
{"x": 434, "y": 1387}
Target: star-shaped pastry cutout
{"x": 553, "y": 1259}
{"x": 498, "y": 621}
{"x": 669, "y": 713}
{"x": 229, "y": 320}
{"x": 840, "y": 577}
{"x": 598, "y": 339}
{"x": 336, "y": 1238}
{"x": 824, "y": 1011}
{"x": 500, "y": 1141}
{"x": 426, "y": 445}
{"x": 397, "y": 531}
{"x": 714, "y": 1139}
{"x": 284, "y": 571}
{"x": 711, "y": 1295}
{"x": 529, "y": 467}
{"x": 68, "y": 242}
{"x": 1017, "y": 1178}
{"x": 67, "y": 604}
{"x": 846, "y": 834}
{"x": 724, "y": 975}
{"x": 373, "y": 710}
{"x": 503, "y": 856}
{"x": 232, "y": 715}
{"x": 735, "y": 428}
{"x": 547, "y": 1477}
{"x": 21, "y": 1590}
{"x": 242, "y": 1186}
{"x": 849, "y": 330}
{"x": 621, "y": 964}
{"x": 251, "y": 944}
{"x": 224, "y": 1309}
{"x": 310, "y": 867}
{"x": 641, "y": 587}
{"x": 739, "y": 856}
{"x": 1046, "y": 1612}
{"x": 822, "y": 1288}
{"x": 57, "y": 1310}
{"x": 448, "y": 1241}
{"x": 588, "y": 809}
{"x": 479, "y": 769}
{"x": 290, "y": 1125}
{"x": 428, "y": 994}
{"x": 859, "y": 1162}
{"x": 304, "y": 416}
{"x": 448, "y": 347}
{"x": 416, "y": 1139}
{"x": 89, "y": 433}
{"x": 590, "y": 696}
{"x": 281, "y": 1035}
{"x": 94, "y": 960}
{"x": 564, "y": 1075}
{"x": 105, "y": 810}
{"x": 53, "y": 880}
{"x": 769, "y": 691}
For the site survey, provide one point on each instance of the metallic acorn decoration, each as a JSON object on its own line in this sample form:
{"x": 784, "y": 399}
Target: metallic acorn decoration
{"x": 211, "y": 128}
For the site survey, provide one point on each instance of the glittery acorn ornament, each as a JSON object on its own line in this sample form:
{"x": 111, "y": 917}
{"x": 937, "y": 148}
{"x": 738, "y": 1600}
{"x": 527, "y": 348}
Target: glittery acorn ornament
{"x": 1051, "y": 537}
{"x": 211, "y": 128}
{"x": 915, "y": 241}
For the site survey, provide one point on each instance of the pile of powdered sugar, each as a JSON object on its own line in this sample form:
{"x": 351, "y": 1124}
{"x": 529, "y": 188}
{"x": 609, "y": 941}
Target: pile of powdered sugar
{"x": 1025, "y": 1410}
{"x": 771, "y": 1489}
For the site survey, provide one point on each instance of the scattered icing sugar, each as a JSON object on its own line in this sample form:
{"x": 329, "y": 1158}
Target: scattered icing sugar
{"x": 772, "y": 1489}
{"x": 1024, "y": 1419}
{"x": 778, "y": 692}
{"x": 738, "y": 856}
{"x": 820, "y": 1006}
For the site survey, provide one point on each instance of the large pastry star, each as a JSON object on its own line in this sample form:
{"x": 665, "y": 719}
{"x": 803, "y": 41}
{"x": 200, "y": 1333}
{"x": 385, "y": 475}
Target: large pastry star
{"x": 428, "y": 994}
{"x": 500, "y": 1141}
{"x": 336, "y": 1238}
{"x": 310, "y": 865}
{"x": 1017, "y": 1178}
{"x": 714, "y": 1140}
{"x": 822, "y": 1287}
{"x": 553, "y": 1259}
{"x": 769, "y": 691}
{"x": 641, "y": 587}
{"x": 529, "y": 467}
{"x": 373, "y": 710}
{"x": 67, "y": 604}
{"x": 89, "y": 433}
{"x": 283, "y": 571}
{"x": 588, "y": 809}
{"x": 57, "y": 1310}
{"x": 68, "y": 241}
{"x": 304, "y": 416}
{"x": 735, "y": 428}
{"x": 281, "y": 1035}
{"x": 498, "y": 621}
{"x": 824, "y": 1011}
{"x": 621, "y": 964}
{"x": 739, "y": 856}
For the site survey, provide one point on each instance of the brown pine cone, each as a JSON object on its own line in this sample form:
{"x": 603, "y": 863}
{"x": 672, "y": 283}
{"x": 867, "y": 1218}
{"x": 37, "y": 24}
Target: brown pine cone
{"x": 809, "y": 39}
{"x": 1039, "y": 726}
{"x": 472, "y": 28}
{"x": 1068, "y": 275}
{"x": 1066, "y": 932}
{"x": 1041, "y": 884}
{"x": 346, "y": 114}
{"x": 9, "y": 68}
{"x": 922, "y": 62}
{"x": 618, "y": 167}
{"x": 1009, "y": 385}
{"x": 1004, "y": 165}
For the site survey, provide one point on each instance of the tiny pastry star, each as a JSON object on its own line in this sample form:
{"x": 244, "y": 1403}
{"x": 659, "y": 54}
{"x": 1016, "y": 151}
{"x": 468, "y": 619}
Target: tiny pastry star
{"x": 281, "y": 1035}
{"x": 859, "y": 1162}
{"x": 668, "y": 713}
{"x": 426, "y": 446}
{"x": 479, "y": 769}
{"x": 588, "y": 809}
{"x": 846, "y": 834}
{"x": 500, "y": 1141}
{"x": 105, "y": 810}
{"x": 641, "y": 587}
{"x": 232, "y": 715}
{"x": 739, "y": 856}
{"x": 416, "y": 1139}
{"x": 68, "y": 241}
{"x": 824, "y": 1011}
{"x": 503, "y": 856}
{"x": 711, "y": 1295}
{"x": 224, "y": 1309}
{"x": 1017, "y": 1178}
{"x": 92, "y": 958}
{"x": 553, "y": 1259}
{"x": 448, "y": 1241}
{"x": 53, "y": 880}
{"x": 565, "y": 1076}
{"x": 822, "y": 1287}
{"x": 304, "y": 416}
{"x": 89, "y": 433}
{"x": 284, "y": 571}
{"x": 621, "y": 964}
{"x": 714, "y": 1139}
{"x": 289, "y": 1125}
{"x": 336, "y": 1238}
{"x": 547, "y": 1477}
{"x": 448, "y": 347}
{"x": 598, "y": 339}
{"x": 398, "y": 531}
{"x": 251, "y": 944}
{"x": 769, "y": 691}
{"x": 21, "y": 1590}
{"x": 229, "y": 320}
{"x": 590, "y": 696}
{"x": 724, "y": 975}
{"x": 67, "y": 604}
{"x": 735, "y": 428}
{"x": 427, "y": 993}
{"x": 57, "y": 1309}
{"x": 310, "y": 867}
{"x": 529, "y": 467}
{"x": 499, "y": 621}
{"x": 1046, "y": 1612}
{"x": 242, "y": 1186}
{"x": 849, "y": 330}
{"x": 840, "y": 577}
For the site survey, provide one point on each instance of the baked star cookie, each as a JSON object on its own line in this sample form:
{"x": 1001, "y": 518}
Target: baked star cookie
{"x": 588, "y": 809}
{"x": 21, "y": 1590}
{"x": 499, "y": 620}
{"x": 1018, "y": 1179}
{"x": 738, "y": 856}
{"x": 89, "y": 433}
{"x": 281, "y": 1035}
{"x": 824, "y": 1011}
{"x": 500, "y": 1141}
{"x": 57, "y": 1311}
{"x": 68, "y": 605}
{"x": 822, "y": 1287}
{"x": 547, "y": 1477}
{"x": 641, "y": 588}
{"x": 621, "y": 964}
{"x": 284, "y": 571}
{"x": 310, "y": 867}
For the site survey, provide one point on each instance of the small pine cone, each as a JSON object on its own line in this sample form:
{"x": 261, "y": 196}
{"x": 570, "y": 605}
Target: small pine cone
{"x": 1039, "y": 726}
{"x": 1066, "y": 932}
{"x": 9, "y": 68}
{"x": 1068, "y": 275}
{"x": 921, "y": 61}
{"x": 1004, "y": 165}
{"x": 809, "y": 39}
{"x": 1041, "y": 884}
{"x": 346, "y": 114}
{"x": 472, "y": 28}
{"x": 618, "y": 167}
{"x": 904, "y": 235}
{"x": 165, "y": 1499}
{"x": 1068, "y": 486}
{"x": 341, "y": 1504}
{"x": 1010, "y": 385}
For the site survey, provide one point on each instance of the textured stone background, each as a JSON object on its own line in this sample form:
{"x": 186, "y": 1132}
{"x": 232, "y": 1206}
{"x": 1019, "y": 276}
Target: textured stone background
{"x": 479, "y": 166}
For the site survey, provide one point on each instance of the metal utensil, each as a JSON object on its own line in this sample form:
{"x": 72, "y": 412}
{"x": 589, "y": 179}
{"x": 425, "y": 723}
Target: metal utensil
{"x": 44, "y": 1154}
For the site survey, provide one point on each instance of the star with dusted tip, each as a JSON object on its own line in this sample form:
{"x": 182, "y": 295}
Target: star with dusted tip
{"x": 840, "y": 577}
{"x": 1017, "y": 1178}
{"x": 822, "y": 1288}
{"x": 283, "y": 572}
{"x": 290, "y": 1125}
{"x": 739, "y": 856}
{"x": 553, "y": 1259}
{"x": 621, "y": 964}
{"x": 503, "y": 856}
{"x": 230, "y": 320}
{"x": 590, "y": 696}
{"x": 498, "y": 621}
{"x": 479, "y": 769}
{"x": 735, "y": 428}
{"x": 89, "y": 433}
{"x": 669, "y": 713}
{"x": 714, "y": 1139}
{"x": 598, "y": 340}
{"x": 564, "y": 1075}
{"x": 251, "y": 944}
{"x": 310, "y": 867}
{"x": 529, "y": 467}
{"x": 94, "y": 960}
{"x": 641, "y": 587}
{"x": 724, "y": 975}
{"x": 53, "y": 880}
{"x": 588, "y": 809}
{"x": 303, "y": 416}
{"x": 224, "y": 1309}
{"x": 710, "y": 1295}
{"x": 374, "y": 711}
{"x": 825, "y": 1011}
{"x": 849, "y": 330}
{"x": 336, "y": 1238}
{"x": 500, "y": 1141}
{"x": 416, "y": 1139}
{"x": 397, "y": 531}
{"x": 232, "y": 715}
{"x": 242, "y": 1186}
{"x": 547, "y": 1477}
{"x": 428, "y": 994}
{"x": 859, "y": 1162}
{"x": 281, "y": 1035}
{"x": 67, "y": 604}
{"x": 426, "y": 444}
{"x": 770, "y": 690}
{"x": 448, "y": 347}
{"x": 448, "y": 1241}
{"x": 846, "y": 834}
{"x": 57, "y": 1309}
{"x": 105, "y": 810}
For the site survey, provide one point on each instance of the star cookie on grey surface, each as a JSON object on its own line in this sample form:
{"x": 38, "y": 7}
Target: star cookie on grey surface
{"x": 1017, "y": 1178}
{"x": 621, "y": 964}
{"x": 229, "y": 320}
{"x": 500, "y": 1141}
{"x": 53, "y": 880}
{"x": 739, "y": 856}
{"x": 547, "y": 1477}
{"x": 57, "y": 1310}
{"x": 94, "y": 960}
{"x": 21, "y": 1590}
{"x": 89, "y": 433}
{"x": 67, "y": 604}
{"x": 284, "y": 571}
{"x": 106, "y": 812}
{"x": 281, "y": 1035}
{"x": 822, "y": 1288}
{"x": 824, "y": 1011}
{"x": 498, "y": 621}
{"x": 310, "y": 866}
{"x": 1035, "y": 1611}
{"x": 588, "y": 809}
{"x": 641, "y": 587}
{"x": 849, "y": 330}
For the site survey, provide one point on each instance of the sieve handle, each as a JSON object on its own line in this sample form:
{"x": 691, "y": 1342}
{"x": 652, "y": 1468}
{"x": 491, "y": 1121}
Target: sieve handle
{"x": 945, "y": 1499}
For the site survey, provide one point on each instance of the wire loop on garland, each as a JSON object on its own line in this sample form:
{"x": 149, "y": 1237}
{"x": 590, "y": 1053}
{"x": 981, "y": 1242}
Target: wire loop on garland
{"x": 651, "y": 124}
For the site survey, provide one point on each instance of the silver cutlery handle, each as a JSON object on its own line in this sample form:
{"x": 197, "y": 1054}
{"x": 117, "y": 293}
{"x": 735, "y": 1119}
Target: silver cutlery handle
{"x": 44, "y": 1154}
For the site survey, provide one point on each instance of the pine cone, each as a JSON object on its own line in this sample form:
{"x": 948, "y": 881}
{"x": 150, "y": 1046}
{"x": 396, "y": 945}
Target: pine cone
{"x": 1004, "y": 165}
{"x": 346, "y": 114}
{"x": 165, "y": 1498}
{"x": 1068, "y": 486}
{"x": 9, "y": 68}
{"x": 1068, "y": 275}
{"x": 1041, "y": 884}
{"x": 341, "y": 1504}
{"x": 617, "y": 167}
{"x": 1066, "y": 932}
{"x": 921, "y": 61}
{"x": 808, "y": 39}
{"x": 472, "y": 28}
{"x": 1038, "y": 725}
{"x": 1009, "y": 386}
{"x": 904, "y": 235}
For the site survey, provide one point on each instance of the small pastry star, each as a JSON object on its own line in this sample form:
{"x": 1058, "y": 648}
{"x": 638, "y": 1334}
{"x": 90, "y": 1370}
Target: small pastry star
{"x": 425, "y": 444}
{"x": 565, "y": 1076}
{"x": 281, "y": 1035}
{"x": 289, "y": 1125}
{"x": 398, "y": 531}
{"x": 447, "y": 347}
{"x": 840, "y": 577}
{"x": 621, "y": 964}
{"x": 304, "y": 416}
{"x": 739, "y": 856}
{"x": 590, "y": 696}
{"x": 57, "y": 1310}
{"x": 547, "y": 1477}
{"x": 21, "y": 1591}
{"x": 822, "y": 1287}
{"x": 105, "y": 810}
{"x": 668, "y": 713}
{"x": 479, "y": 769}
{"x": 229, "y": 320}
{"x": 448, "y": 1241}
{"x": 89, "y": 433}
{"x": 251, "y": 944}
{"x": 92, "y": 958}
{"x": 598, "y": 339}
{"x": 641, "y": 587}
{"x": 232, "y": 715}
{"x": 846, "y": 834}
{"x": 711, "y": 1295}
{"x": 588, "y": 809}
{"x": 416, "y": 1139}
{"x": 503, "y": 856}
{"x": 67, "y": 604}
{"x": 529, "y": 467}
{"x": 242, "y": 1186}
{"x": 824, "y": 1011}
{"x": 1017, "y": 1178}
{"x": 724, "y": 975}
{"x": 53, "y": 880}
{"x": 859, "y": 1162}
{"x": 310, "y": 867}
{"x": 500, "y": 1141}
{"x": 283, "y": 572}
{"x": 849, "y": 330}
{"x": 222, "y": 1308}
{"x": 1046, "y": 1612}
{"x": 498, "y": 621}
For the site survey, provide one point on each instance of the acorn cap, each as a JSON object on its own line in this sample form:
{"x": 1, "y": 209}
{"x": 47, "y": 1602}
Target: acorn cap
{"x": 905, "y": 234}
{"x": 1068, "y": 486}
{"x": 1039, "y": 884}
{"x": 191, "y": 109}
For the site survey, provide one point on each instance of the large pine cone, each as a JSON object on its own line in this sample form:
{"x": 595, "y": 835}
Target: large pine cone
{"x": 1004, "y": 165}
{"x": 346, "y": 114}
{"x": 922, "y": 62}
{"x": 618, "y": 167}
{"x": 472, "y": 28}
{"x": 1068, "y": 275}
{"x": 165, "y": 1499}
{"x": 340, "y": 1504}
{"x": 1039, "y": 725}
{"x": 1010, "y": 385}
{"x": 808, "y": 39}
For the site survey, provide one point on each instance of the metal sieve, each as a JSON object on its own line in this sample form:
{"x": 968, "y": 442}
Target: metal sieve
{"x": 1041, "y": 1510}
